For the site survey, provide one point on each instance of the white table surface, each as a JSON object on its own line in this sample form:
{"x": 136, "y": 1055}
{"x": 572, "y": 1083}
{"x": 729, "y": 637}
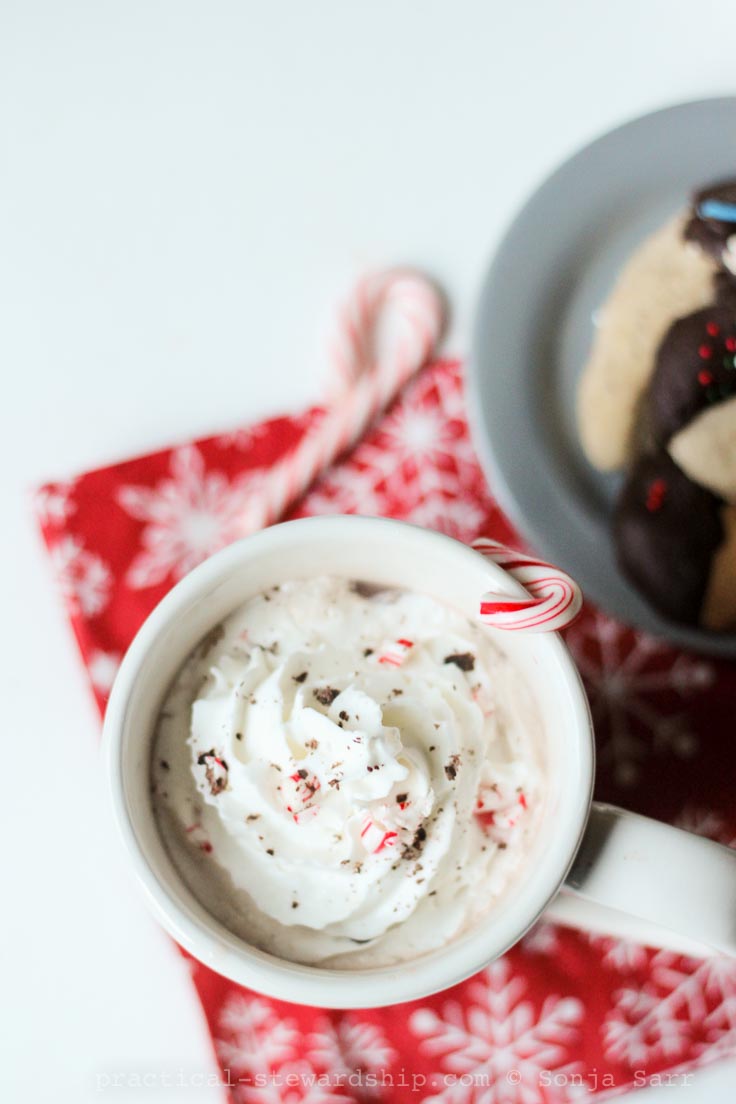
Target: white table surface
{"x": 185, "y": 189}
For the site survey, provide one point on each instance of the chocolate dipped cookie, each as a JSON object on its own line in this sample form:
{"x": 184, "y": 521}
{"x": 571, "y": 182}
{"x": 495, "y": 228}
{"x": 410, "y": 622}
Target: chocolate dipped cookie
{"x": 676, "y": 541}
{"x": 690, "y": 405}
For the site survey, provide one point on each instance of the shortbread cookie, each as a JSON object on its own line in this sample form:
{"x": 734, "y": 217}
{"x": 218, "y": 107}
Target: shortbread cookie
{"x": 665, "y": 278}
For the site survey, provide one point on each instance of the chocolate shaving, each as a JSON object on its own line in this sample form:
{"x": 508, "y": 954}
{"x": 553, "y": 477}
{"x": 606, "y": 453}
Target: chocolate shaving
{"x": 464, "y": 660}
{"x": 325, "y": 695}
{"x": 344, "y": 716}
{"x": 451, "y": 767}
{"x": 164, "y": 765}
{"x": 300, "y": 678}
{"x": 367, "y": 590}
{"x": 401, "y": 798}
{"x": 367, "y": 652}
{"x": 412, "y": 850}
{"x": 216, "y": 771}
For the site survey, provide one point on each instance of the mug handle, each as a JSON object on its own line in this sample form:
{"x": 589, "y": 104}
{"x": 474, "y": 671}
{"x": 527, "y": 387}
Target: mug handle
{"x": 643, "y": 880}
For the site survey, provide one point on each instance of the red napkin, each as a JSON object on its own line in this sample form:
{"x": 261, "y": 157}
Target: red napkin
{"x": 562, "y": 1015}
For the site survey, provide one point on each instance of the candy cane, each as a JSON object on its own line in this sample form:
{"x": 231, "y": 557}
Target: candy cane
{"x": 554, "y": 598}
{"x": 387, "y": 332}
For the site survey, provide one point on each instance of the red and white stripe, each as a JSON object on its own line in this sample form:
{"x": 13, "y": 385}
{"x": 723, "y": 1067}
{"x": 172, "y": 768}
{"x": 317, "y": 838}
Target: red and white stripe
{"x": 393, "y": 653}
{"x": 386, "y": 332}
{"x": 554, "y": 598}
{"x": 375, "y": 836}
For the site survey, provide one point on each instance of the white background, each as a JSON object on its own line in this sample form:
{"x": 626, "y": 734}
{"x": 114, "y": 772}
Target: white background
{"x": 185, "y": 190}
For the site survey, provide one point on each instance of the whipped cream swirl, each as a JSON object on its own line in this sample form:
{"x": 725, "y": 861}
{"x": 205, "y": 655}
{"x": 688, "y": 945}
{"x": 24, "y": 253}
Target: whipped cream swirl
{"x": 347, "y": 776}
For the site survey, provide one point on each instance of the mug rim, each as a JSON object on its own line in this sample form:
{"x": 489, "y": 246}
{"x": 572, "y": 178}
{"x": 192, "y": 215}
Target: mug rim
{"x": 205, "y": 937}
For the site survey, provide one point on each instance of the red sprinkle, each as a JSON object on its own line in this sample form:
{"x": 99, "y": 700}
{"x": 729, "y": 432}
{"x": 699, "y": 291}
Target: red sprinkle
{"x": 656, "y": 495}
{"x": 705, "y": 378}
{"x": 713, "y": 329}
{"x": 731, "y": 344}
{"x": 206, "y": 847}
{"x": 705, "y": 352}
{"x": 405, "y": 643}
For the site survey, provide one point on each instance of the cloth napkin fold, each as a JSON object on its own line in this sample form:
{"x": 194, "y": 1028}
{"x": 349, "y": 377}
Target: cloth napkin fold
{"x": 564, "y": 1014}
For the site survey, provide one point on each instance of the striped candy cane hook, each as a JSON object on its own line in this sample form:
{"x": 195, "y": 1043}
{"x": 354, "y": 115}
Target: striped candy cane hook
{"x": 387, "y": 331}
{"x": 554, "y": 598}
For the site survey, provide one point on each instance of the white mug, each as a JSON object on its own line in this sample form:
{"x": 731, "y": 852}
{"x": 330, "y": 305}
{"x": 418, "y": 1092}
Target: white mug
{"x": 591, "y": 866}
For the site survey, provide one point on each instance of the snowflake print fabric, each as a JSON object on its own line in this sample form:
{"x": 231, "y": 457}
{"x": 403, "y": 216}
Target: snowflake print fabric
{"x": 564, "y": 1015}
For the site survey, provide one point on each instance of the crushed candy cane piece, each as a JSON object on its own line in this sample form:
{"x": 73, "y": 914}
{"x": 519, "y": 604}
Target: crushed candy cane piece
{"x": 299, "y": 790}
{"x": 497, "y": 814}
{"x": 394, "y": 652}
{"x": 375, "y": 837}
{"x": 308, "y": 813}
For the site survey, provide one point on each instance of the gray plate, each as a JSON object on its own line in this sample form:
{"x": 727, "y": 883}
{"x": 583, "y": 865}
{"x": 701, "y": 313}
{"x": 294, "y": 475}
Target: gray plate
{"x": 533, "y": 331}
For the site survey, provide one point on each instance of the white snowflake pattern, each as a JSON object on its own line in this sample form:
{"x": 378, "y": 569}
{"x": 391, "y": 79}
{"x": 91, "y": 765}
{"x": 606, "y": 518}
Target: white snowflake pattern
{"x": 619, "y": 954}
{"x": 352, "y": 1048}
{"x": 188, "y": 516}
{"x": 253, "y": 1037}
{"x": 259, "y": 1052}
{"x": 54, "y": 503}
{"x": 542, "y": 938}
{"x": 423, "y": 435}
{"x": 498, "y": 1034}
{"x": 102, "y": 668}
{"x": 657, "y": 1021}
{"x": 84, "y": 578}
{"x": 458, "y": 517}
{"x": 349, "y": 489}
{"x": 620, "y": 680}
